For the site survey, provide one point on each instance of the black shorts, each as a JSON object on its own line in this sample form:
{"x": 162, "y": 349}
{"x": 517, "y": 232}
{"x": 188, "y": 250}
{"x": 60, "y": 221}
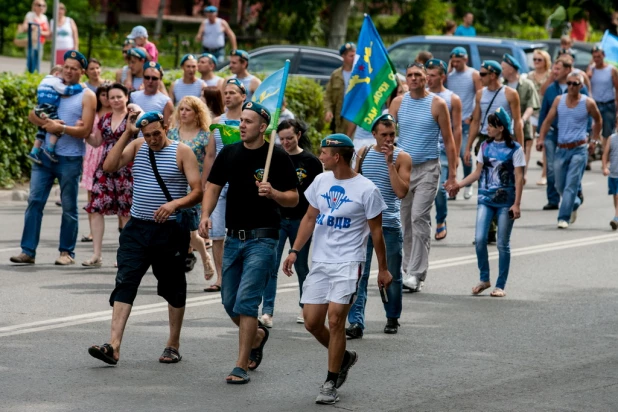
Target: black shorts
{"x": 164, "y": 246}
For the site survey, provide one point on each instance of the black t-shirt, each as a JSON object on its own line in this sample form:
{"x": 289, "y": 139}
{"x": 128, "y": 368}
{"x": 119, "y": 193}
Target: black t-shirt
{"x": 241, "y": 168}
{"x": 307, "y": 168}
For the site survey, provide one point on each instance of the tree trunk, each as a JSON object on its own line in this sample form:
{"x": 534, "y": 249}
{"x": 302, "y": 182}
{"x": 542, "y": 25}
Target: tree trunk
{"x": 340, "y": 11}
{"x": 159, "y": 24}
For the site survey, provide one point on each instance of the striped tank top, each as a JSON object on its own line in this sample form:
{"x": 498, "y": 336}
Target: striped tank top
{"x": 150, "y": 103}
{"x": 212, "y": 82}
{"x": 246, "y": 81}
{"x": 602, "y": 85}
{"x": 500, "y": 101}
{"x": 572, "y": 123}
{"x": 182, "y": 89}
{"x": 418, "y": 130}
{"x": 147, "y": 194}
{"x": 70, "y": 110}
{"x": 124, "y": 73}
{"x": 223, "y": 120}
{"x": 137, "y": 82}
{"x": 447, "y": 95}
{"x": 462, "y": 84}
{"x": 374, "y": 168}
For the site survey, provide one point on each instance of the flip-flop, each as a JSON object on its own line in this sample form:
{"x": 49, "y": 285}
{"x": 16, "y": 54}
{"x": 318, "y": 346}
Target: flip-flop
{"x": 480, "y": 287}
{"x": 213, "y": 288}
{"x": 440, "y": 230}
{"x": 171, "y": 353}
{"x": 497, "y": 293}
{"x": 239, "y": 373}
{"x": 258, "y": 353}
{"x": 86, "y": 239}
{"x": 104, "y": 352}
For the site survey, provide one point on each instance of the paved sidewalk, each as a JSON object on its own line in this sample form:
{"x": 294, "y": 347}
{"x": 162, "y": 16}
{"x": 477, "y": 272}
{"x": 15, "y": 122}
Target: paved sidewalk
{"x": 17, "y": 65}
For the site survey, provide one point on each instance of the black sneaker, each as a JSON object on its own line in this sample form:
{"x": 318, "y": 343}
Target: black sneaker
{"x": 50, "y": 155}
{"x": 392, "y": 326}
{"x": 354, "y": 331}
{"x": 190, "y": 262}
{"x": 491, "y": 237}
{"x": 580, "y": 194}
{"x": 549, "y": 206}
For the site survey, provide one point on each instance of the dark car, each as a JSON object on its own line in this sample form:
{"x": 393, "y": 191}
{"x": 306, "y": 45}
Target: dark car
{"x": 313, "y": 62}
{"x": 404, "y": 51}
{"x": 583, "y": 52}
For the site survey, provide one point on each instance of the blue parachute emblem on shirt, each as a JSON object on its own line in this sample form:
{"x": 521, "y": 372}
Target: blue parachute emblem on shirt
{"x": 335, "y": 198}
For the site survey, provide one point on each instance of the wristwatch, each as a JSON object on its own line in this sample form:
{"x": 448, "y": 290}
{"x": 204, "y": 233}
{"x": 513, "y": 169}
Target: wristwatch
{"x": 292, "y": 250}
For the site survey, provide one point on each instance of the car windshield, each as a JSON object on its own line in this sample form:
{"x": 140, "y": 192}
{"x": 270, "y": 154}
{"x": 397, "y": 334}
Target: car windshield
{"x": 404, "y": 54}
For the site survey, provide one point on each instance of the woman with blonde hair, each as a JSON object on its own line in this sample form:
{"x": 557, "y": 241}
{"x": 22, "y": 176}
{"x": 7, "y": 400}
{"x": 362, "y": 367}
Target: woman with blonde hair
{"x": 538, "y": 76}
{"x": 191, "y": 121}
{"x": 37, "y": 15}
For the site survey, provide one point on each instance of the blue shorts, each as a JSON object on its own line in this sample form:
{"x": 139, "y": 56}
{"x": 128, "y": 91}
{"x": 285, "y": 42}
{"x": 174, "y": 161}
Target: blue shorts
{"x": 217, "y": 218}
{"x": 247, "y": 266}
{"x": 612, "y": 184}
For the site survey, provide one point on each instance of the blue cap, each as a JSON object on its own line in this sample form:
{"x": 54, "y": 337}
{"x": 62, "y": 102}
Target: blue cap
{"x": 504, "y": 119}
{"x": 139, "y": 53}
{"x": 240, "y": 53}
{"x": 598, "y": 48}
{"x": 187, "y": 57}
{"x": 511, "y": 61}
{"x": 74, "y": 54}
{"x": 147, "y": 118}
{"x": 209, "y": 56}
{"x": 238, "y": 84}
{"x": 153, "y": 65}
{"x": 433, "y": 63}
{"x": 459, "y": 52}
{"x": 337, "y": 140}
{"x": 492, "y": 66}
{"x": 138, "y": 31}
{"x": 348, "y": 46}
{"x": 210, "y": 9}
{"x": 384, "y": 117}
{"x": 259, "y": 109}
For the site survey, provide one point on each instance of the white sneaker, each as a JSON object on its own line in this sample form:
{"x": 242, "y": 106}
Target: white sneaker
{"x": 542, "y": 181}
{"x": 413, "y": 283}
{"x": 300, "y": 319}
{"x": 468, "y": 192}
{"x": 562, "y": 224}
{"x": 267, "y": 321}
{"x": 573, "y": 216}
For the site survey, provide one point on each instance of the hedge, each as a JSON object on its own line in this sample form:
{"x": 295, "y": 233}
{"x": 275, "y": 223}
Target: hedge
{"x": 18, "y": 97}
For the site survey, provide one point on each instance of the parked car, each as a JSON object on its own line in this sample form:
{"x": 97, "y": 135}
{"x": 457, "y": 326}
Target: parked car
{"x": 404, "y": 51}
{"x": 583, "y": 52}
{"x": 313, "y": 62}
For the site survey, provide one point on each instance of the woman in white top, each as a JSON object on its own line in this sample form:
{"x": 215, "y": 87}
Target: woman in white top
{"x": 67, "y": 37}
{"x": 37, "y": 15}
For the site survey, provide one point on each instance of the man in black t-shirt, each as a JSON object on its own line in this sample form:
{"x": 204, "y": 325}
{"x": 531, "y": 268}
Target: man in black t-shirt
{"x": 307, "y": 168}
{"x": 252, "y": 219}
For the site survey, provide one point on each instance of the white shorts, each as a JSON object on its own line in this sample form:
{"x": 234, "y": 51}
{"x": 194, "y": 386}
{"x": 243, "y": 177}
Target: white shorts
{"x": 332, "y": 282}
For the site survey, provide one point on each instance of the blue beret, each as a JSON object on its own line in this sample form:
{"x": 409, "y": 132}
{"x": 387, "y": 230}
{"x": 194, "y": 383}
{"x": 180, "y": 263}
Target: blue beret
{"x": 238, "y": 84}
{"x": 459, "y": 52}
{"x": 433, "y": 63}
{"x": 147, "y": 118}
{"x": 492, "y": 66}
{"x": 570, "y": 52}
{"x": 209, "y": 56}
{"x": 210, "y": 9}
{"x": 337, "y": 140}
{"x": 598, "y": 48}
{"x": 240, "y": 53}
{"x": 504, "y": 118}
{"x": 187, "y": 57}
{"x": 512, "y": 61}
{"x": 153, "y": 65}
{"x": 259, "y": 109}
{"x": 74, "y": 54}
{"x": 384, "y": 117}
{"x": 348, "y": 46}
{"x": 139, "y": 53}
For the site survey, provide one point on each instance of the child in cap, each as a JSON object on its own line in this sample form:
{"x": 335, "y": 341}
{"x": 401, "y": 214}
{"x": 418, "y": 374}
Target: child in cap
{"x": 49, "y": 92}
{"x": 610, "y": 154}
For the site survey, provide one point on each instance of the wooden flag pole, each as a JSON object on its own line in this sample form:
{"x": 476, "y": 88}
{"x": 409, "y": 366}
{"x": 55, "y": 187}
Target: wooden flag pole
{"x": 271, "y": 146}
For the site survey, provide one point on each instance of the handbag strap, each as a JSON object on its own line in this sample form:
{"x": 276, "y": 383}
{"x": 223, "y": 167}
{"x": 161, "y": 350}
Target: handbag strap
{"x": 362, "y": 153}
{"x": 489, "y": 107}
{"x": 153, "y": 164}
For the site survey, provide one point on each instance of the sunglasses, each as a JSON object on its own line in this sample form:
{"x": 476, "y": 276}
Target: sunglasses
{"x": 40, "y": 5}
{"x": 483, "y": 74}
{"x": 537, "y": 60}
{"x": 153, "y": 78}
{"x": 416, "y": 64}
{"x": 573, "y": 84}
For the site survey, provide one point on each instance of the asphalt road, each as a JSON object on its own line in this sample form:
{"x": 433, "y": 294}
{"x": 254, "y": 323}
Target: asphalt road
{"x": 550, "y": 345}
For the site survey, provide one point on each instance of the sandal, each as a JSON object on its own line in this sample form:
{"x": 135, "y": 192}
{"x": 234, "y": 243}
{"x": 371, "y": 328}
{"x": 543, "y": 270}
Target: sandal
{"x": 440, "y": 230}
{"x": 104, "y": 352}
{"x": 480, "y": 287}
{"x": 257, "y": 354}
{"x": 92, "y": 262}
{"x": 86, "y": 238}
{"x": 497, "y": 293}
{"x": 239, "y": 373}
{"x": 213, "y": 288}
{"x": 171, "y": 353}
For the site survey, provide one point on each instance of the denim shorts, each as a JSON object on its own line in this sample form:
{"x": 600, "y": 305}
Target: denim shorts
{"x": 612, "y": 184}
{"x": 247, "y": 266}
{"x": 217, "y": 217}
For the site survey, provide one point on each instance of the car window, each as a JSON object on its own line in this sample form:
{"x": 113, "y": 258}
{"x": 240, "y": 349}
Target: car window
{"x": 270, "y": 61}
{"x": 405, "y": 54}
{"x": 493, "y": 52}
{"x": 318, "y": 64}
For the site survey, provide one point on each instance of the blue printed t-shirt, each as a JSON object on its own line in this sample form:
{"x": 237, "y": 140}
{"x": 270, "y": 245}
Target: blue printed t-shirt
{"x": 497, "y": 181}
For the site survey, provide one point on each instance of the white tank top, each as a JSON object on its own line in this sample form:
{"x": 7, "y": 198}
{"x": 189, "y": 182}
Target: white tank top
{"x": 64, "y": 36}
{"x": 213, "y": 37}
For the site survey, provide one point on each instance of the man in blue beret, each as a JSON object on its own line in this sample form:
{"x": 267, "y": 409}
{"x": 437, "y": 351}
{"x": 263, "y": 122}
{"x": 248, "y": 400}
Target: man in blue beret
{"x": 188, "y": 84}
{"x": 206, "y": 65}
{"x": 464, "y": 81}
{"x": 239, "y": 65}
{"x": 344, "y": 209}
{"x": 151, "y": 99}
{"x": 162, "y": 170}
{"x": 336, "y": 89}
{"x": 253, "y": 221}
{"x": 212, "y": 32}
{"x": 529, "y": 100}
{"x": 75, "y": 119}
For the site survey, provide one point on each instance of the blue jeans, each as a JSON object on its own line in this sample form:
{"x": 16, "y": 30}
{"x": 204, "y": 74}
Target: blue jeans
{"x": 68, "y": 171}
{"x": 441, "y": 196}
{"x": 553, "y": 197}
{"x": 608, "y": 114}
{"x": 465, "y": 134}
{"x": 247, "y": 266}
{"x": 393, "y": 238}
{"x": 289, "y": 229}
{"x": 569, "y": 166}
{"x": 484, "y": 216}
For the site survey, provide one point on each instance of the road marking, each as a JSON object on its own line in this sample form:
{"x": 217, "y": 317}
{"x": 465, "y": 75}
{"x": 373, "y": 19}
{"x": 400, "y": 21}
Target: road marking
{"x": 106, "y": 315}
{"x": 9, "y": 249}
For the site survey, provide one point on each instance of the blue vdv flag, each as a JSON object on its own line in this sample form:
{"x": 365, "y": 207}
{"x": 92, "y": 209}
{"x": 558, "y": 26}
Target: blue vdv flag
{"x": 610, "y": 46}
{"x": 270, "y": 93}
{"x": 372, "y": 81}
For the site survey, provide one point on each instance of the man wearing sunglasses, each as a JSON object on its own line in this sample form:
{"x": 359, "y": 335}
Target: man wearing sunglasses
{"x": 151, "y": 99}
{"x": 571, "y": 110}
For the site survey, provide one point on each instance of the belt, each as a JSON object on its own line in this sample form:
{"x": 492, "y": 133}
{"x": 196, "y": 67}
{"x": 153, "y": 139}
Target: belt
{"x": 572, "y": 145}
{"x": 605, "y": 103}
{"x": 269, "y": 233}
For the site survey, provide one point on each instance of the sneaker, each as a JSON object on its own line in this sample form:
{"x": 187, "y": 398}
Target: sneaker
{"x": 267, "y": 320}
{"x": 343, "y": 373}
{"x": 328, "y": 394}
{"x": 580, "y": 194}
{"x": 413, "y": 283}
{"x": 573, "y": 217}
{"x": 190, "y": 262}
{"x": 65, "y": 259}
{"x": 491, "y": 237}
{"x": 50, "y": 155}
{"x": 23, "y": 259}
{"x": 468, "y": 192}
{"x": 550, "y": 206}
{"x": 300, "y": 318}
{"x": 34, "y": 158}
{"x": 392, "y": 326}
{"x": 562, "y": 224}
{"x": 354, "y": 331}
{"x": 542, "y": 181}
{"x": 613, "y": 223}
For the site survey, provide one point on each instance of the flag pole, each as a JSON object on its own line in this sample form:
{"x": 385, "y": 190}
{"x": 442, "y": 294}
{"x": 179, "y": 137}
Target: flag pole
{"x": 275, "y": 121}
